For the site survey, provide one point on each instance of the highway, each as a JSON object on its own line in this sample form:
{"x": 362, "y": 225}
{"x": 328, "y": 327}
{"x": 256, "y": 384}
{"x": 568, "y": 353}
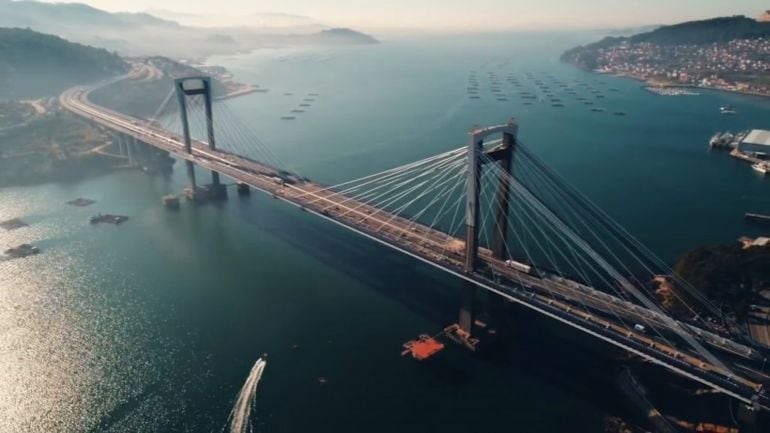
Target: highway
{"x": 591, "y": 311}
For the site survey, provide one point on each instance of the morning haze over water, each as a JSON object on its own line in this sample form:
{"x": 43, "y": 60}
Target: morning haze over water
{"x": 325, "y": 279}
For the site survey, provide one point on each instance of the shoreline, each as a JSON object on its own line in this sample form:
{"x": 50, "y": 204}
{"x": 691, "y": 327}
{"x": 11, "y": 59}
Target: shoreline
{"x": 241, "y": 91}
{"x": 651, "y": 82}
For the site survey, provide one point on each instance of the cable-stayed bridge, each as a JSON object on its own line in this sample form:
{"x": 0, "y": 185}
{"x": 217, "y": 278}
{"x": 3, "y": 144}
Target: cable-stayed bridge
{"x": 490, "y": 213}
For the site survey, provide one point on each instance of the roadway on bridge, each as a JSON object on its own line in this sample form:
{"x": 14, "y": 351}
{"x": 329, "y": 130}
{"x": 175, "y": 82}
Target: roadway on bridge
{"x": 561, "y": 299}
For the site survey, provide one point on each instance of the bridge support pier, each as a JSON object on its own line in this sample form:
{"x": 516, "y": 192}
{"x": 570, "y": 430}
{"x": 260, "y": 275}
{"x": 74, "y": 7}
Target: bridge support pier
{"x": 121, "y": 146}
{"x": 243, "y": 189}
{"x": 191, "y": 175}
{"x": 748, "y": 419}
{"x": 129, "y": 150}
{"x": 467, "y": 316}
{"x": 216, "y": 189}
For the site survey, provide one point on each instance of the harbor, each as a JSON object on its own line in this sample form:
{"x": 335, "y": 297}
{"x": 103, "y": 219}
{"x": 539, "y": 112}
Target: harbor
{"x": 671, "y": 91}
{"x": 750, "y": 146}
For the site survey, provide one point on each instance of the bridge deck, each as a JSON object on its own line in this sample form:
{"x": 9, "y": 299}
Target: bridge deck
{"x": 556, "y": 297}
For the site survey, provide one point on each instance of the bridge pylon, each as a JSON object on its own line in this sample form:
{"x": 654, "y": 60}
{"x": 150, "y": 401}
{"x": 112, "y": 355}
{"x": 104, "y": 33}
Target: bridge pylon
{"x": 192, "y": 86}
{"x": 502, "y": 153}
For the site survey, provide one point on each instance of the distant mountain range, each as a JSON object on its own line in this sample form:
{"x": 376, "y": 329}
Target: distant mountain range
{"x": 146, "y": 34}
{"x": 259, "y": 22}
{"x": 34, "y": 64}
{"x": 701, "y": 32}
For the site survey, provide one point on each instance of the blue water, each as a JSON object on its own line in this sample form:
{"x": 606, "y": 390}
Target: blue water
{"x": 154, "y": 325}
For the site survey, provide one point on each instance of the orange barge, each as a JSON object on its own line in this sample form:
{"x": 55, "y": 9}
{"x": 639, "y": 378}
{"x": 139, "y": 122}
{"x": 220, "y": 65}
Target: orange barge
{"x": 423, "y": 347}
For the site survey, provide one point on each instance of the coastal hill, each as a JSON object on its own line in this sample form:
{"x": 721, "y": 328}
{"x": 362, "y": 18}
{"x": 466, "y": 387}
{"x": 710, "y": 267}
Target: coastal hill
{"x": 710, "y": 31}
{"x": 730, "y": 54}
{"x": 330, "y": 37}
{"x": 143, "y": 34}
{"x": 728, "y": 275}
{"x": 34, "y": 64}
{"x": 343, "y": 36}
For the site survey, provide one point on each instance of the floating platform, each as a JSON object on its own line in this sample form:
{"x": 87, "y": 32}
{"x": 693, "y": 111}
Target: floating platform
{"x": 458, "y": 335}
{"x": 422, "y": 347}
{"x": 23, "y": 250}
{"x": 108, "y": 219}
{"x": 81, "y": 202}
{"x": 13, "y": 224}
{"x": 171, "y": 201}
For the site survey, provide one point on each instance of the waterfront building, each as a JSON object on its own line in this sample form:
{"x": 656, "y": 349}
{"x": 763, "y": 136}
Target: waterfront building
{"x": 756, "y": 142}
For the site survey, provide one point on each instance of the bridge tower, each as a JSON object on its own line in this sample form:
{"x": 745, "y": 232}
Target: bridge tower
{"x": 503, "y": 154}
{"x": 191, "y": 86}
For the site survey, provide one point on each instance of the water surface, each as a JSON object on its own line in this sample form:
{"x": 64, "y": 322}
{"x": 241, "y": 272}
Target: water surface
{"x": 154, "y": 325}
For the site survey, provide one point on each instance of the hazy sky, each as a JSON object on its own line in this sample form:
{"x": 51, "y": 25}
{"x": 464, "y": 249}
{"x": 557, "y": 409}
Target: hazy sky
{"x": 461, "y": 14}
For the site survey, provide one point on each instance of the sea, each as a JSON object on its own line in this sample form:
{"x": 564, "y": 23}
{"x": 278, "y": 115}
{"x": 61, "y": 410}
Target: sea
{"x": 154, "y": 325}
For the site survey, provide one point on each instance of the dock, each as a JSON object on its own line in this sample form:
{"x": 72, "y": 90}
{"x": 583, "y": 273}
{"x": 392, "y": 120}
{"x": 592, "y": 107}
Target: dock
{"x": 425, "y": 346}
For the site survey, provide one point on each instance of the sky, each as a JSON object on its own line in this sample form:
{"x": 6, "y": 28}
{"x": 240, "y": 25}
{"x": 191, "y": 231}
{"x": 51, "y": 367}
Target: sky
{"x": 447, "y": 15}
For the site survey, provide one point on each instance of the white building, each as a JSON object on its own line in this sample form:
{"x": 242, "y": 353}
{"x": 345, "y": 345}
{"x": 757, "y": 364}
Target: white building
{"x": 757, "y": 142}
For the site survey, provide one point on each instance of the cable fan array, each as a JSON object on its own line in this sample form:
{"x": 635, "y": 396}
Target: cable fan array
{"x": 551, "y": 227}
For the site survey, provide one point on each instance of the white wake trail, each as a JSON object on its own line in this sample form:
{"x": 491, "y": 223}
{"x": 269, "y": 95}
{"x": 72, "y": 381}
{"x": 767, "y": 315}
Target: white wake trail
{"x": 240, "y": 416}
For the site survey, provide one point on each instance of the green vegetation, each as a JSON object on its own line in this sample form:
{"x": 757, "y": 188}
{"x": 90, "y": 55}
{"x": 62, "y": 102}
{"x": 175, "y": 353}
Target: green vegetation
{"x": 49, "y": 148}
{"x": 14, "y": 114}
{"x": 709, "y": 31}
{"x": 34, "y": 64}
{"x": 728, "y": 275}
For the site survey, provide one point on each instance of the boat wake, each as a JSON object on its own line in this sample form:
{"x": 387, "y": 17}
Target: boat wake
{"x": 239, "y": 419}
